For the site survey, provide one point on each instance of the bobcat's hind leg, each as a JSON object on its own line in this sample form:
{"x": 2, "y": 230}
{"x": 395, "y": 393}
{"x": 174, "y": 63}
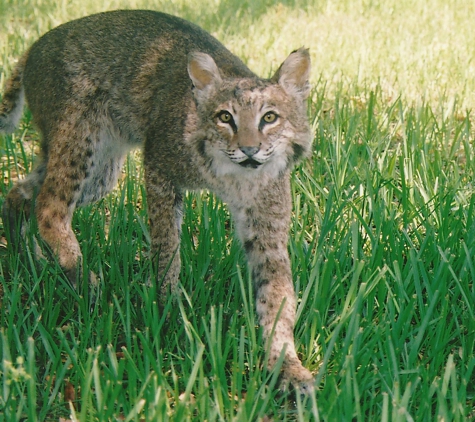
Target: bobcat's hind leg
{"x": 69, "y": 171}
{"x": 54, "y": 217}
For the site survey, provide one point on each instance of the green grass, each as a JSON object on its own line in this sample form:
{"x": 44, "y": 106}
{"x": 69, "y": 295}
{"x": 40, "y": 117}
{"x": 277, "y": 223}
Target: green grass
{"x": 382, "y": 241}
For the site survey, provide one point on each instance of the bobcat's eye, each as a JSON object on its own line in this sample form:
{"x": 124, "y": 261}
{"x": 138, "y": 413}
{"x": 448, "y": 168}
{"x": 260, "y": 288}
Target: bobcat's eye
{"x": 269, "y": 117}
{"x": 225, "y": 116}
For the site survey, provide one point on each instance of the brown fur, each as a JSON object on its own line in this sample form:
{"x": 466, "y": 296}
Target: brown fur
{"x": 102, "y": 85}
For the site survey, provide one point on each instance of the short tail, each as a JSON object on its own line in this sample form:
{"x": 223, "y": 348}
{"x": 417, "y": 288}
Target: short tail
{"x": 11, "y": 107}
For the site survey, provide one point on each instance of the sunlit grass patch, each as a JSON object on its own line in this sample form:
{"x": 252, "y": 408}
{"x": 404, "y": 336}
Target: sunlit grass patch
{"x": 382, "y": 241}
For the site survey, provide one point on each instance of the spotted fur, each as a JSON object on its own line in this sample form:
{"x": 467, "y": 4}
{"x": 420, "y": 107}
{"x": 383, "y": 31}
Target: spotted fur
{"x": 100, "y": 86}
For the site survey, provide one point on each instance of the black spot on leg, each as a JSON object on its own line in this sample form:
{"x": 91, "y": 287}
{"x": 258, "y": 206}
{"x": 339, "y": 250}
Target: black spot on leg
{"x": 58, "y": 215}
{"x": 257, "y": 270}
{"x": 89, "y": 153}
{"x": 249, "y": 245}
{"x": 259, "y": 283}
{"x": 258, "y": 278}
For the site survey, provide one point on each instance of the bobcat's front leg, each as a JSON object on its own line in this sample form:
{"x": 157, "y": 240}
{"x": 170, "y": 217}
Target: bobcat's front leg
{"x": 263, "y": 227}
{"x": 164, "y": 208}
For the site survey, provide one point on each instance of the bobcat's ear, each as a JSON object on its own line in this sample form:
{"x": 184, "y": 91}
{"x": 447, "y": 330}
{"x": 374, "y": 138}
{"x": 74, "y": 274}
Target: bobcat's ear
{"x": 294, "y": 73}
{"x": 203, "y": 72}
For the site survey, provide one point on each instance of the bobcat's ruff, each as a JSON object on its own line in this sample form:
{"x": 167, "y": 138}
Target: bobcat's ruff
{"x": 100, "y": 86}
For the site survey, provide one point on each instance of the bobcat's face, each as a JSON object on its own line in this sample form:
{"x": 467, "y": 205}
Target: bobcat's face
{"x": 251, "y": 127}
{"x": 255, "y": 131}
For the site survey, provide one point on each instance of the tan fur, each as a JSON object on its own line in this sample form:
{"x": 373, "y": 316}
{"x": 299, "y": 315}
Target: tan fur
{"x": 103, "y": 85}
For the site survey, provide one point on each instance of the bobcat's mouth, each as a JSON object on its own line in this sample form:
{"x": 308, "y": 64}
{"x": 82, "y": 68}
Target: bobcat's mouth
{"x": 250, "y": 163}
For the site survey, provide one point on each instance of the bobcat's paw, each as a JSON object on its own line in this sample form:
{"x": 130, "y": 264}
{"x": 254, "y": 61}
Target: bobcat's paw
{"x": 299, "y": 377}
{"x": 76, "y": 279}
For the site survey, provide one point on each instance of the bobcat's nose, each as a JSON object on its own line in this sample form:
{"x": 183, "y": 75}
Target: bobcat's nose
{"x": 249, "y": 151}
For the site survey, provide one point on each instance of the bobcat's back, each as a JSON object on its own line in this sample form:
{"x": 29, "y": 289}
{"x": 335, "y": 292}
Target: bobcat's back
{"x": 133, "y": 64}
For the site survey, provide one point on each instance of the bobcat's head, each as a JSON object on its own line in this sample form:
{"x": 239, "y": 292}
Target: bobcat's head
{"x": 252, "y": 125}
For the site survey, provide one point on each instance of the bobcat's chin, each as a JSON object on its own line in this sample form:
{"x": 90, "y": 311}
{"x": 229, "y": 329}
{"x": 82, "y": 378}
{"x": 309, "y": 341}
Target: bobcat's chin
{"x": 222, "y": 165}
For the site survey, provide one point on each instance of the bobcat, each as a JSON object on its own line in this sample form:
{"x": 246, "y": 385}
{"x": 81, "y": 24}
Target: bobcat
{"x": 102, "y": 85}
